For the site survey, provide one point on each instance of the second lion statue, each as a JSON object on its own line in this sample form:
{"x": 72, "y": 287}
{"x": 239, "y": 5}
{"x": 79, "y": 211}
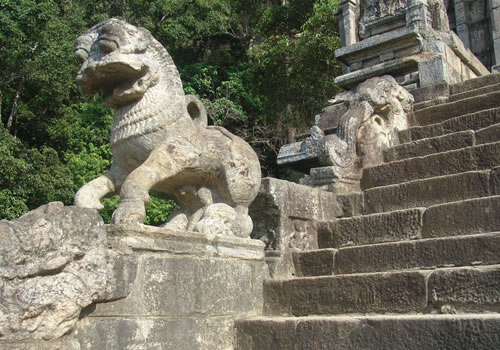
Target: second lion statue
{"x": 160, "y": 139}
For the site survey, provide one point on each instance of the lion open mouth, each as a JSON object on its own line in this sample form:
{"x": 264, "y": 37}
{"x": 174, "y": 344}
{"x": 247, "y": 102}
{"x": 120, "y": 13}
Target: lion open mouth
{"x": 114, "y": 77}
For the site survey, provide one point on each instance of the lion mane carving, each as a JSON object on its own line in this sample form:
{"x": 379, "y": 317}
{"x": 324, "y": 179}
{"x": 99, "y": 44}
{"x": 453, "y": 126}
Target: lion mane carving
{"x": 160, "y": 139}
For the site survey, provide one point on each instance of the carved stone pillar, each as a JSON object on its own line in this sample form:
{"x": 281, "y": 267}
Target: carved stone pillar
{"x": 461, "y": 25}
{"x": 349, "y": 21}
{"x": 418, "y": 15}
{"x": 494, "y": 9}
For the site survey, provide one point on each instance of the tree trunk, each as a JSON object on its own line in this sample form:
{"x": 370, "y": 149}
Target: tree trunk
{"x": 11, "y": 122}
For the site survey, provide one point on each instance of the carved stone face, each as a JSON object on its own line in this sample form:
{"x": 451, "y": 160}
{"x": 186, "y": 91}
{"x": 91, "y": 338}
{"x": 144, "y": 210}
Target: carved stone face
{"x": 116, "y": 61}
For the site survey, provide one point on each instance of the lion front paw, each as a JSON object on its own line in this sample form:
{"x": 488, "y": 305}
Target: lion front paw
{"x": 85, "y": 199}
{"x": 129, "y": 213}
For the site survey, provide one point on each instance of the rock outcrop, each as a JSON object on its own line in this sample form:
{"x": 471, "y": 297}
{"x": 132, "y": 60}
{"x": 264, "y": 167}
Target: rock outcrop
{"x": 53, "y": 262}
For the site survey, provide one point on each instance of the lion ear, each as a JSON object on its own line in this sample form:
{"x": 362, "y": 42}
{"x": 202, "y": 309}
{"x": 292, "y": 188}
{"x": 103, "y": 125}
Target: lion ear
{"x": 196, "y": 111}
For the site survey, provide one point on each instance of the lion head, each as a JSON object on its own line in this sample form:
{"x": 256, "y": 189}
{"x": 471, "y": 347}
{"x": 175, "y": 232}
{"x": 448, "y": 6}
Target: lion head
{"x": 121, "y": 61}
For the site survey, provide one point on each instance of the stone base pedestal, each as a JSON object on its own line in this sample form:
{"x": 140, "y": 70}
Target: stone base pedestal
{"x": 328, "y": 179}
{"x": 287, "y": 217}
{"x": 188, "y": 290}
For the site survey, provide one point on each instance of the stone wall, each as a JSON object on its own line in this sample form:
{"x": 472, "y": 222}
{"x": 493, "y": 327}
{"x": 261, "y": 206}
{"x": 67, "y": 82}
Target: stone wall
{"x": 476, "y": 24}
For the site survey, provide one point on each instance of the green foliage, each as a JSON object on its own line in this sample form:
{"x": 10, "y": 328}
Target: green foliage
{"x": 110, "y": 204}
{"x": 30, "y": 177}
{"x": 11, "y": 206}
{"x": 295, "y": 66}
{"x": 89, "y": 163}
{"x": 159, "y": 208}
{"x": 79, "y": 125}
{"x": 260, "y": 68}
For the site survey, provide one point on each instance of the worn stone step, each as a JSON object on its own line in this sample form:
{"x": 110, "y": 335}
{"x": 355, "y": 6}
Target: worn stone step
{"x": 473, "y": 92}
{"x": 459, "y": 218}
{"x": 465, "y": 289}
{"x": 480, "y": 249}
{"x": 317, "y": 262}
{"x": 432, "y": 145}
{"x": 471, "y": 121}
{"x": 473, "y": 84}
{"x": 462, "y": 218}
{"x": 399, "y": 225}
{"x": 432, "y": 253}
{"x": 442, "y": 112}
{"x": 446, "y": 97}
{"x": 458, "y": 289}
{"x": 443, "y": 142}
{"x": 382, "y": 332}
{"x": 394, "y": 292}
{"x": 427, "y": 192}
{"x": 479, "y": 157}
{"x": 488, "y": 135}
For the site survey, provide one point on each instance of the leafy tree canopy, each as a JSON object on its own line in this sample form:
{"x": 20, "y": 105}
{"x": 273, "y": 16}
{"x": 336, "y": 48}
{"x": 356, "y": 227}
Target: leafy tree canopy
{"x": 262, "y": 68}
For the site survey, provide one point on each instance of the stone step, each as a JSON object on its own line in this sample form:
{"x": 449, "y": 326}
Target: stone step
{"x": 479, "y": 157}
{"x": 488, "y": 135}
{"x": 428, "y": 192}
{"x": 458, "y": 289}
{"x": 446, "y": 97}
{"x": 432, "y": 253}
{"x": 474, "y": 84}
{"x": 442, "y": 112}
{"x": 399, "y": 225}
{"x": 466, "y": 289}
{"x": 457, "y": 95}
{"x": 394, "y": 292}
{"x": 384, "y": 332}
{"x": 432, "y": 145}
{"x": 480, "y": 249}
{"x": 317, "y": 262}
{"x": 461, "y": 218}
{"x": 471, "y": 121}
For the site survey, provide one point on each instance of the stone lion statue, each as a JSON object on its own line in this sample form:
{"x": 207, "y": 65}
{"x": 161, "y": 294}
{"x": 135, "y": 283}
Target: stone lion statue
{"x": 160, "y": 139}
{"x": 377, "y": 109}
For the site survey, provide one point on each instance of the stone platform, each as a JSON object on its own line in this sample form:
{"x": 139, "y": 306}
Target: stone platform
{"x": 188, "y": 290}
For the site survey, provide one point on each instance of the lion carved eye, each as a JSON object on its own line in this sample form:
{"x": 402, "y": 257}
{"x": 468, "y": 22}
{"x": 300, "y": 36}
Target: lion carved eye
{"x": 81, "y": 55}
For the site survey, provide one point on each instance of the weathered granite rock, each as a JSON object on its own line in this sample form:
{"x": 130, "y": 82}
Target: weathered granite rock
{"x": 160, "y": 138}
{"x": 54, "y": 262}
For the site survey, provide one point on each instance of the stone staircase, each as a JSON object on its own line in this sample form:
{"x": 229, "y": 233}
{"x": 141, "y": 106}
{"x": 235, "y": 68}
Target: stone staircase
{"x": 420, "y": 269}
